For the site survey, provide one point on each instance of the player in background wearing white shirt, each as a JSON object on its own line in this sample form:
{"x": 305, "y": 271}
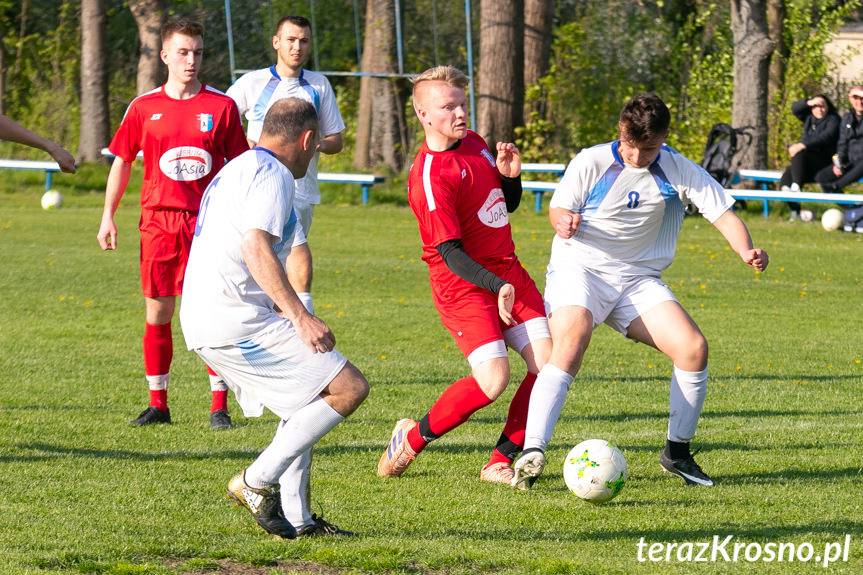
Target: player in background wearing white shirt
{"x": 241, "y": 315}
{"x": 617, "y": 213}
{"x": 256, "y": 91}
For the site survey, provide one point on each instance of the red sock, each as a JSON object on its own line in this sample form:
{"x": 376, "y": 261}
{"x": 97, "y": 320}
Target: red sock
{"x": 158, "y": 353}
{"x": 159, "y": 399}
{"x": 220, "y": 400}
{"x": 158, "y": 349}
{"x": 455, "y": 405}
{"x": 512, "y": 439}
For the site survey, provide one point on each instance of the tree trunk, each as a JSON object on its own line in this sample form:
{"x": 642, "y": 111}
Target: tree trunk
{"x": 776, "y": 95}
{"x": 500, "y": 82}
{"x": 381, "y": 134}
{"x": 95, "y": 123}
{"x": 538, "y": 18}
{"x": 752, "y": 50}
{"x": 149, "y": 16}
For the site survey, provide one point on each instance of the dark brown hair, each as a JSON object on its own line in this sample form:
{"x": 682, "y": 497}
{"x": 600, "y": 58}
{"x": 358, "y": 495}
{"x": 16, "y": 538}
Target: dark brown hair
{"x": 644, "y": 117}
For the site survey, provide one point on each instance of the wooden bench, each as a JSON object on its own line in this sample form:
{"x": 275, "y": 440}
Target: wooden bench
{"x": 48, "y": 167}
{"x": 365, "y": 181}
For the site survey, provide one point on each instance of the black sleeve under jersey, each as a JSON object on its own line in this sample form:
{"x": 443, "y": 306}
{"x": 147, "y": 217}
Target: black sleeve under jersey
{"x": 511, "y": 192}
{"x": 467, "y": 268}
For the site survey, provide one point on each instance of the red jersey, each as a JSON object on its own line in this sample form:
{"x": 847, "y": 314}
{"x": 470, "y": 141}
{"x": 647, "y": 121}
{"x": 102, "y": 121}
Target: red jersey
{"x": 457, "y": 194}
{"x": 185, "y": 143}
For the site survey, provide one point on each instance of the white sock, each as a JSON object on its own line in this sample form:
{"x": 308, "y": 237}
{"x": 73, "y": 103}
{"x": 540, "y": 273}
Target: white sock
{"x": 795, "y": 187}
{"x": 685, "y": 399}
{"x": 546, "y": 403}
{"x": 217, "y": 383}
{"x": 306, "y": 299}
{"x": 157, "y": 382}
{"x": 294, "y": 436}
{"x": 296, "y": 490}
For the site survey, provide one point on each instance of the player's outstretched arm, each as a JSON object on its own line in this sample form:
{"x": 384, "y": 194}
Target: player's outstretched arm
{"x": 118, "y": 179}
{"x": 735, "y": 233}
{"x": 15, "y": 132}
{"x": 508, "y": 160}
{"x": 267, "y": 271}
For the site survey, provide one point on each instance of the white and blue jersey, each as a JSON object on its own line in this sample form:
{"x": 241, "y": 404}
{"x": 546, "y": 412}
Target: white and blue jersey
{"x": 253, "y": 191}
{"x": 256, "y": 91}
{"x": 631, "y": 216}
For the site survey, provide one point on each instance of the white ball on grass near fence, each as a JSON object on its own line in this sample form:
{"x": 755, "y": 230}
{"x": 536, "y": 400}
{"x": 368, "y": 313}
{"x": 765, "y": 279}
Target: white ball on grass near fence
{"x": 52, "y": 200}
{"x": 832, "y": 219}
{"x": 806, "y": 215}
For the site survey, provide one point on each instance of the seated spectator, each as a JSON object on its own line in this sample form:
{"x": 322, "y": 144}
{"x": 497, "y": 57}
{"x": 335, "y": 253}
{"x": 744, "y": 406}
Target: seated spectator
{"x": 849, "y": 148}
{"x": 816, "y": 147}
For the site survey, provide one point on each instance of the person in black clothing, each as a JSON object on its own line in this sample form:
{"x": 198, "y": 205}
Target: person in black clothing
{"x": 849, "y": 148}
{"x": 816, "y": 146}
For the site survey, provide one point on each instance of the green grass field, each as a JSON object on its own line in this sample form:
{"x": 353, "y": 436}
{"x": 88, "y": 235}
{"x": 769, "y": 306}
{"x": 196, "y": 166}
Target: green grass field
{"x": 83, "y": 492}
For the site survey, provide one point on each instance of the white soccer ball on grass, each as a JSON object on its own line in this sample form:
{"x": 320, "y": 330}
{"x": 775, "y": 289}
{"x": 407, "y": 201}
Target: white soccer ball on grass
{"x": 832, "y": 219}
{"x": 595, "y": 470}
{"x": 52, "y": 200}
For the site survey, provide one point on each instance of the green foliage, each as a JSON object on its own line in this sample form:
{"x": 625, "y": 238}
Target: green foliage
{"x": 86, "y": 493}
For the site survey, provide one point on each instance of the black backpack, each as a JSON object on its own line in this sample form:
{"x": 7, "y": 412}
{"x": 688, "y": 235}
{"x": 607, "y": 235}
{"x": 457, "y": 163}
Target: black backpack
{"x": 724, "y": 145}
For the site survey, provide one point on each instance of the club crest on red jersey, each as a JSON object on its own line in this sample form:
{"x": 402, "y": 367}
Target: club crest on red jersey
{"x": 186, "y": 163}
{"x": 493, "y": 211}
{"x": 206, "y": 122}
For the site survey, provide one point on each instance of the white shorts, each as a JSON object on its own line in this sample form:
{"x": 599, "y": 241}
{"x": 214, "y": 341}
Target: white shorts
{"x": 274, "y": 369}
{"x": 613, "y": 300}
{"x": 304, "y": 213}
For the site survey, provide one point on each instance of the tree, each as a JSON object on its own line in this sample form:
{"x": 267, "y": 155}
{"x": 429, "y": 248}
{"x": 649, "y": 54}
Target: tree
{"x": 95, "y": 123}
{"x": 752, "y": 50}
{"x": 149, "y": 16}
{"x": 538, "y": 19}
{"x": 381, "y": 134}
{"x": 500, "y": 81}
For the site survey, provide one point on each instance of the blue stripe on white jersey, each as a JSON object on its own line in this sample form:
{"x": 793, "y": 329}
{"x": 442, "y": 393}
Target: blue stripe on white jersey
{"x": 672, "y": 219}
{"x": 316, "y": 98}
{"x": 259, "y": 110}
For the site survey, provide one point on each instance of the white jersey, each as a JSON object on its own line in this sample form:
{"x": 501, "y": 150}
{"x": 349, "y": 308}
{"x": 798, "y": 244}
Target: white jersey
{"x": 222, "y": 304}
{"x": 256, "y": 91}
{"x": 631, "y": 216}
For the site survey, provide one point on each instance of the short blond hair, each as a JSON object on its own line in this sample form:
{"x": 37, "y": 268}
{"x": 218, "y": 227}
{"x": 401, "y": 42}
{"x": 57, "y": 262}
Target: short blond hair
{"x": 449, "y": 75}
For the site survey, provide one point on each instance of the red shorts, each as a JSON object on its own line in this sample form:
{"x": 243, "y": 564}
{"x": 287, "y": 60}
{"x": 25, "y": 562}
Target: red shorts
{"x": 470, "y": 312}
{"x": 166, "y": 237}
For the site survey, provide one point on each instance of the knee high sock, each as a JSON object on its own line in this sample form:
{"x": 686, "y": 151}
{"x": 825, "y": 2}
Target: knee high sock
{"x": 456, "y": 404}
{"x": 685, "y": 399}
{"x": 295, "y": 485}
{"x": 512, "y": 439}
{"x": 158, "y": 353}
{"x": 293, "y": 437}
{"x": 546, "y": 403}
{"x": 219, "y": 391}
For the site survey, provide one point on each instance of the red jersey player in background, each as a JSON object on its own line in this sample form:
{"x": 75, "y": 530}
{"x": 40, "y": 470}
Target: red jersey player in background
{"x": 461, "y": 195}
{"x": 187, "y": 131}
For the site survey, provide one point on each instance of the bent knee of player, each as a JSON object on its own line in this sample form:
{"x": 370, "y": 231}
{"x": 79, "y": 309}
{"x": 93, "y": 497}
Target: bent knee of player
{"x": 691, "y": 353}
{"x": 347, "y": 390}
{"x": 492, "y": 376}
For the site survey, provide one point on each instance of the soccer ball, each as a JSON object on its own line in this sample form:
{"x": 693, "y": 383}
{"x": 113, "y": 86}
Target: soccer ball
{"x": 51, "y": 200}
{"x": 806, "y": 215}
{"x": 595, "y": 470}
{"x": 832, "y": 219}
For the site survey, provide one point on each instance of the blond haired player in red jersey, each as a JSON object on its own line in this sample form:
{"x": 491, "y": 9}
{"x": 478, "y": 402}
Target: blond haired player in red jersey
{"x": 187, "y": 132}
{"x": 461, "y": 194}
